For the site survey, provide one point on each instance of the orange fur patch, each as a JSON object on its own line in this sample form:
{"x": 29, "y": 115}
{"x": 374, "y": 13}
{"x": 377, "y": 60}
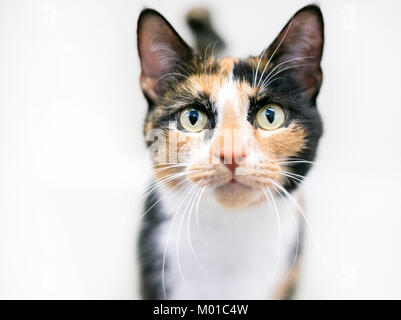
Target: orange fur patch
{"x": 227, "y": 65}
{"x": 283, "y": 144}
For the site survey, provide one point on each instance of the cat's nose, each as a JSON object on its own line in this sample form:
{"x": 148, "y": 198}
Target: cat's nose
{"x": 232, "y": 165}
{"x": 230, "y": 155}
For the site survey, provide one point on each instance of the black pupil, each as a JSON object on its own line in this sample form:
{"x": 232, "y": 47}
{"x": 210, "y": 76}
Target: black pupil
{"x": 270, "y": 115}
{"x": 193, "y": 116}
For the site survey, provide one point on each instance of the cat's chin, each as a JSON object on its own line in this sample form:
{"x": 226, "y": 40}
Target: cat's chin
{"x": 236, "y": 195}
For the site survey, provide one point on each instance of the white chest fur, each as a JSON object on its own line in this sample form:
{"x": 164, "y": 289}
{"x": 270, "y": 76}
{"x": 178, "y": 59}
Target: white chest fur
{"x": 216, "y": 253}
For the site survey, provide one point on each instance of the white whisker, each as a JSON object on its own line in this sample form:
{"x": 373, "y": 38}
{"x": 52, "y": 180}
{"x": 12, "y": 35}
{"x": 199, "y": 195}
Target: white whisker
{"x": 274, "y": 52}
{"x": 211, "y": 63}
{"x": 285, "y": 200}
{"x": 296, "y": 162}
{"x": 301, "y": 211}
{"x": 189, "y": 231}
{"x": 186, "y": 71}
{"x": 168, "y": 239}
{"x": 171, "y": 74}
{"x": 292, "y": 177}
{"x": 169, "y": 167}
{"x": 197, "y": 213}
{"x": 280, "y": 64}
{"x": 264, "y": 84}
{"x": 184, "y": 214}
{"x": 154, "y": 185}
{"x": 205, "y": 58}
{"x": 279, "y": 233}
{"x": 163, "y": 182}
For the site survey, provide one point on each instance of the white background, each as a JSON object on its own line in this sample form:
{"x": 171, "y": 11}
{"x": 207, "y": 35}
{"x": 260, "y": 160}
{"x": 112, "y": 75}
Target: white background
{"x": 73, "y": 162}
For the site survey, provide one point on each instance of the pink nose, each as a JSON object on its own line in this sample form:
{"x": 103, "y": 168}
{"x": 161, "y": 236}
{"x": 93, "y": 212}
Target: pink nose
{"x": 230, "y": 156}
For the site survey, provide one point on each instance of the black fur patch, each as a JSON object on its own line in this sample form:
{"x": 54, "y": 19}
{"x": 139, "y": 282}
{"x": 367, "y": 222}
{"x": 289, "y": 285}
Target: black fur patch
{"x": 149, "y": 254}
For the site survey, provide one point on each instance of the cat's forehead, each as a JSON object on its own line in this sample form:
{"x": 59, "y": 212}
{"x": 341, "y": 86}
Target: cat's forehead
{"x": 229, "y": 67}
{"x": 224, "y": 78}
{"x": 219, "y": 80}
{"x": 224, "y": 84}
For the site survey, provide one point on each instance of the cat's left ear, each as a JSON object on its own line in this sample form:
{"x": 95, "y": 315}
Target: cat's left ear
{"x": 299, "y": 48}
{"x": 161, "y": 51}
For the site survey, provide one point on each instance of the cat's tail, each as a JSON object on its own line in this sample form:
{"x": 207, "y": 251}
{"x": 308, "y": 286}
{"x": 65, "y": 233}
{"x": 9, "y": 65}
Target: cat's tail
{"x": 207, "y": 41}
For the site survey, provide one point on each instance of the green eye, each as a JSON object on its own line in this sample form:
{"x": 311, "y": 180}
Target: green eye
{"x": 193, "y": 120}
{"x": 270, "y": 117}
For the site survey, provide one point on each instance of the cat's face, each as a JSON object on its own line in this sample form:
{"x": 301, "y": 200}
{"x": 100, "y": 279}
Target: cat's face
{"x": 240, "y": 128}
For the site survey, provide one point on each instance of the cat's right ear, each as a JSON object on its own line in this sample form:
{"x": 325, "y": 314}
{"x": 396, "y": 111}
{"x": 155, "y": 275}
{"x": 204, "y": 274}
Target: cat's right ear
{"x": 161, "y": 51}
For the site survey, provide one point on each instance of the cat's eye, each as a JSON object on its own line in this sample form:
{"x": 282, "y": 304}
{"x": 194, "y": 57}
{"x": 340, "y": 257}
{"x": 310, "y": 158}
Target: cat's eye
{"x": 193, "y": 120}
{"x": 270, "y": 117}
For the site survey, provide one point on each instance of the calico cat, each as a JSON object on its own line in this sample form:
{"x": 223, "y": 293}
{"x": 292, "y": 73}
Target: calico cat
{"x": 231, "y": 139}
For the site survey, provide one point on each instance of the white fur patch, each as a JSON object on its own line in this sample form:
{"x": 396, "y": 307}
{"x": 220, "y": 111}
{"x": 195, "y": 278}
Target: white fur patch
{"x": 234, "y": 254}
{"x": 228, "y": 94}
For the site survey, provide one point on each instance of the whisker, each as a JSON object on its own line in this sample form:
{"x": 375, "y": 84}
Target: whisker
{"x": 171, "y": 74}
{"x": 264, "y": 88}
{"x": 181, "y": 273}
{"x": 290, "y": 160}
{"x": 292, "y": 177}
{"x": 284, "y": 62}
{"x": 155, "y": 184}
{"x": 206, "y": 50}
{"x": 285, "y": 200}
{"x": 279, "y": 234}
{"x": 301, "y": 211}
{"x": 205, "y": 59}
{"x": 257, "y": 66}
{"x": 300, "y": 176}
{"x": 211, "y": 64}
{"x": 182, "y": 199}
{"x": 197, "y": 213}
{"x": 166, "y": 163}
{"x": 212, "y": 54}
{"x": 169, "y": 167}
{"x": 296, "y": 162}
{"x": 183, "y": 69}
{"x": 274, "y": 52}
{"x": 169, "y": 191}
{"x": 264, "y": 84}
{"x": 189, "y": 230}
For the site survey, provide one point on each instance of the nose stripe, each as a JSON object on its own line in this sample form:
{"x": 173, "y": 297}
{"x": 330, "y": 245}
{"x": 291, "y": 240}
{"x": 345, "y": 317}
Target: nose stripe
{"x": 231, "y": 148}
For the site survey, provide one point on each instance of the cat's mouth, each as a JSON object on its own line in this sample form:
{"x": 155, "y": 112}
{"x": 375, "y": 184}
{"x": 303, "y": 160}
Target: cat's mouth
{"x": 234, "y": 184}
{"x": 219, "y": 176}
{"x": 235, "y": 194}
{"x": 237, "y": 188}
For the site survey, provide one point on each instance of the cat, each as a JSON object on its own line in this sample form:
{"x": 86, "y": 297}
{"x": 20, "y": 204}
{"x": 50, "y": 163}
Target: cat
{"x": 230, "y": 139}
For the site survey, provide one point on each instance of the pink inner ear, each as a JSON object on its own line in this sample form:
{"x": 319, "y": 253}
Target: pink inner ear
{"x": 305, "y": 36}
{"x": 149, "y": 49}
{"x": 156, "y": 55}
{"x": 160, "y": 48}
